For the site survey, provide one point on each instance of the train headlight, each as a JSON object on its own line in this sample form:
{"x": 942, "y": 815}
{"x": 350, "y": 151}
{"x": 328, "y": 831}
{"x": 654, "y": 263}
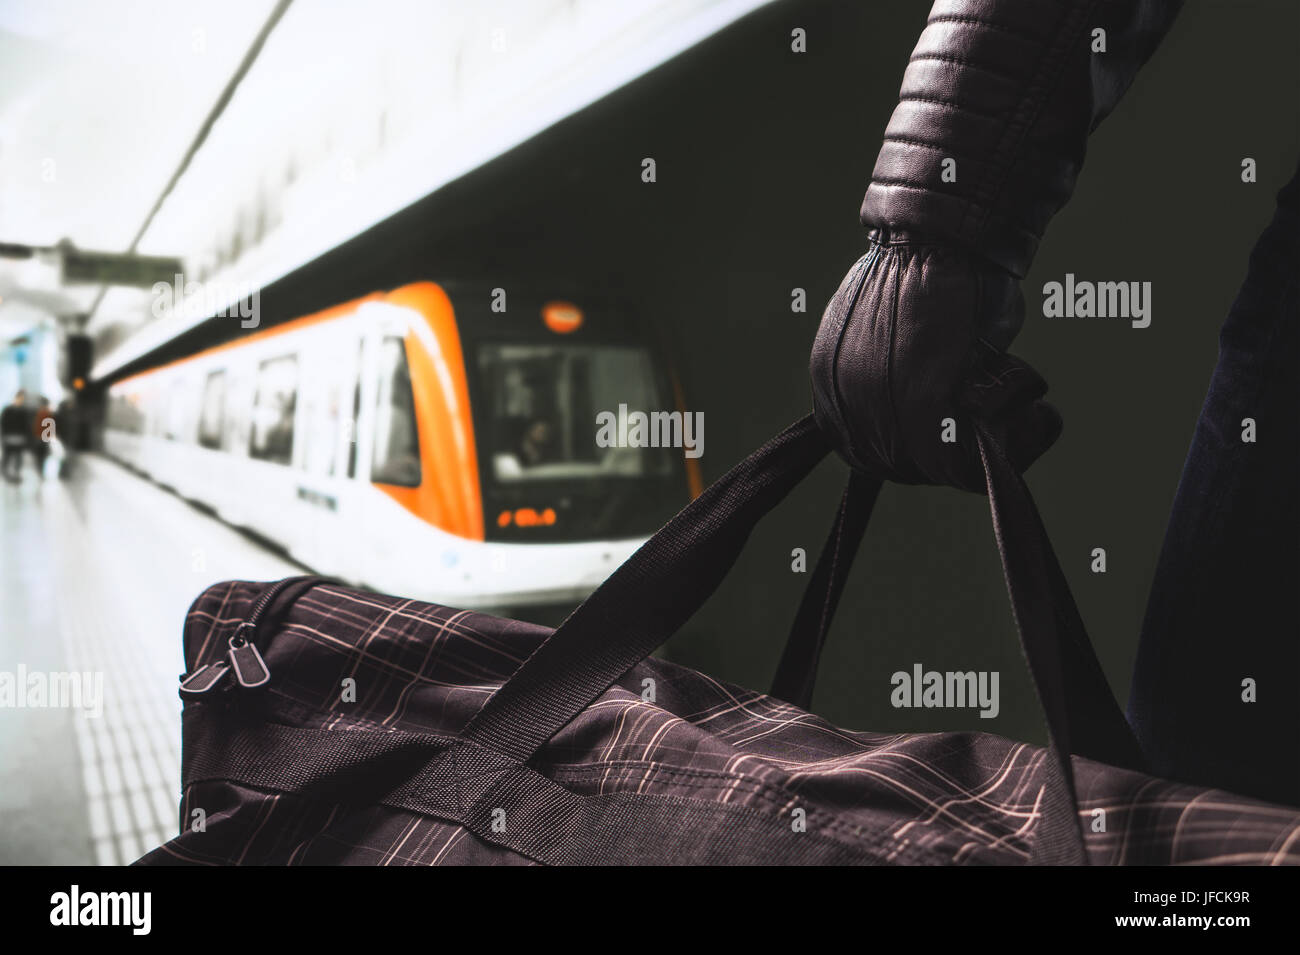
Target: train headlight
{"x": 562, "y": 317}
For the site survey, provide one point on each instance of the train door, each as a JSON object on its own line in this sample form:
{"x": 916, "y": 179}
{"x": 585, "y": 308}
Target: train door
{"x": 357, "y": 542}
{"x": 325, "y": 499}
{"x": 389, "y": 452}
{"x": 231, "y": 493}
{"x": 367, "y": 553}
{"x": 274, "y": 446}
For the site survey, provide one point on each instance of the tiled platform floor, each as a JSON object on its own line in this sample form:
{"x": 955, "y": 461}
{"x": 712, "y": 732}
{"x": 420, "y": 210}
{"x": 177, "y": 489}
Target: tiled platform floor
{"x": 96, "y": 573}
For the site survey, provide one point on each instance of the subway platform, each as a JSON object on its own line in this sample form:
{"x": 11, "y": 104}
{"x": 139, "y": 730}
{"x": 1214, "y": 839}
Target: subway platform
{"x": 96, "y": 572}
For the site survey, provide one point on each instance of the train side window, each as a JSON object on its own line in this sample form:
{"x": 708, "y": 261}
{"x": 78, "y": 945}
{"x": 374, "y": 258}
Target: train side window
{"x": 318, "y": 431}
{"x": 152, "y": 415}
{"x": 124, "y": 415}
{"x": 137, "y": 416}
{"x": 397, "y": 447}
{"x": 239, "y": 400}
{"x": 352, "y": 431}
{"x": 212, "y": 415}
{"x": 274, "y": 404}
{"x": 172, "y": 415}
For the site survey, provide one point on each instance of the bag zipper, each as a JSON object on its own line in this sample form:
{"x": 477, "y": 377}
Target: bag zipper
{"x": 243, "y": 659}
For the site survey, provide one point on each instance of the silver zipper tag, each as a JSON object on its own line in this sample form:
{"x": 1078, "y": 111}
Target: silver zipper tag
{"x": 250, "y": 669}
{"x": 204, "y": 679}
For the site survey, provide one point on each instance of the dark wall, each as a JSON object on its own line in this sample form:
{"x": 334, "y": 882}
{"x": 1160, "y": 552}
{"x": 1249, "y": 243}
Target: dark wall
{"x": 762, "y": 158}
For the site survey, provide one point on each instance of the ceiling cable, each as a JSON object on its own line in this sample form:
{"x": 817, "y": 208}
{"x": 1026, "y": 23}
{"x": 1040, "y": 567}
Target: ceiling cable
{"x": 214, "y": 114}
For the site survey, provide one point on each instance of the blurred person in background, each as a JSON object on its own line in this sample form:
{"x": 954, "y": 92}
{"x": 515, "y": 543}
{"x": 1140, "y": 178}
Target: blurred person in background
{"x": 15, "y": 435}
{"x": 43, "y": 434}
{"x": 536, "y": 445}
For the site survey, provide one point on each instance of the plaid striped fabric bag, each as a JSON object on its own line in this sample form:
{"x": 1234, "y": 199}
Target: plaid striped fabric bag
{"x": 327, "y": 725}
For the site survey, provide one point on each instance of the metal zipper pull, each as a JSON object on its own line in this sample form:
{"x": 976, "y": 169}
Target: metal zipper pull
{"x": 203, "y": 680}
{"x": 243, "y": 658}
{"x": 246, "y": 660}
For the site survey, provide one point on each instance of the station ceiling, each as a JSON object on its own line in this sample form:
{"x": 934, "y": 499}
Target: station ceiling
{"x": 349, "y": 113}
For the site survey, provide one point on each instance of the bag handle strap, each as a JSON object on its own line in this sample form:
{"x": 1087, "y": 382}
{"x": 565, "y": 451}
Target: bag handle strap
{"x": 1082, "y": 714}
{"x": 622, "y": 622}
{"x": 1098, "y": 728}
{"x": 646, "y": 600}
{"x": 796, "y": 674}
{"x": 1081, "y": 711}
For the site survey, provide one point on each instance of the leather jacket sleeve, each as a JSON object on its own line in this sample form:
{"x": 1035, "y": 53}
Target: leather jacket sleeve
{"x": 1009, "y": 90}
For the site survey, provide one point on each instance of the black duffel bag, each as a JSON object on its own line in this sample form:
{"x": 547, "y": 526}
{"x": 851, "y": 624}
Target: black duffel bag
{"x": 325, "y": 724}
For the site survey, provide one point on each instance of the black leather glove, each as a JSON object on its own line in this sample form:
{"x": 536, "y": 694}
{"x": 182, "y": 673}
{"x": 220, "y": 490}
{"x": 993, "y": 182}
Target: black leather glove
{"x": 910, "y": 354}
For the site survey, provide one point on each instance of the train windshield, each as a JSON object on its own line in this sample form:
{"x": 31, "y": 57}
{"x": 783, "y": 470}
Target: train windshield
{"x": 545, "y": 402}
{"x": 550, "y": 471}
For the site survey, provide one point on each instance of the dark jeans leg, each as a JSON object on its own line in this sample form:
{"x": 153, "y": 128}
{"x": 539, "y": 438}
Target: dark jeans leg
{"x": 11, "y": 461}
{"x": 1224, "y": 605}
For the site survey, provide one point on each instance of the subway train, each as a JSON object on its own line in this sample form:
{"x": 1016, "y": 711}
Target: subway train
{"x": 411, "y": 444}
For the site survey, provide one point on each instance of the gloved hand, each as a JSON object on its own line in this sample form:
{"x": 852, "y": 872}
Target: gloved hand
{"x": 916, "y": 334}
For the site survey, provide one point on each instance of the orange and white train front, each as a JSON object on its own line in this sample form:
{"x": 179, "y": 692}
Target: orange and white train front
{"x": 447, "y": 452}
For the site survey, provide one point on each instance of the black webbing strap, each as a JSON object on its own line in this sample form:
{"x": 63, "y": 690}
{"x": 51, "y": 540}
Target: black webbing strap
{"x": 453, "y": 780}
{"x": 657, "y": 590}
{"x": 1082, "y": 715}
{"x": 1097, "y": 726}
{"x": 796, "y": 674}
{"x": 646, "y": 600}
